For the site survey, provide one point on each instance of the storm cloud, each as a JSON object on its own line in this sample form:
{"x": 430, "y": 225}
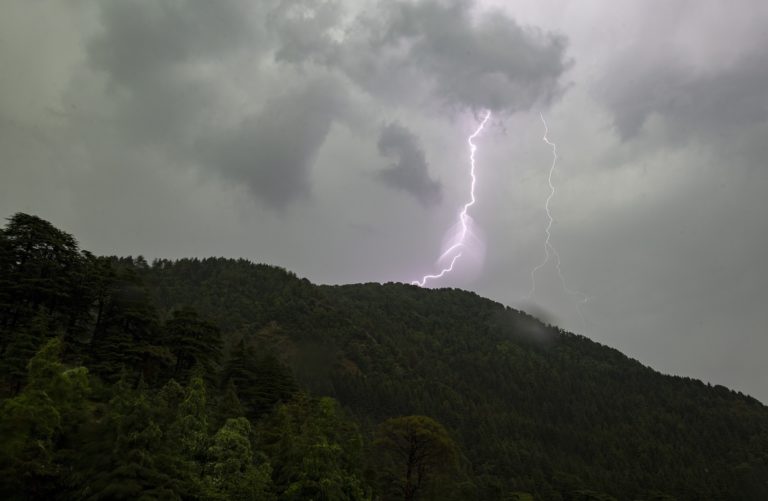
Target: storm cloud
{"x": 140, "y": 39}
{"x": 701, "y": 89}
{"x": 410, "y": 171}
{"x": 272, "y": 152}
{"x": 479, "y": 62}
{"x": 694, "y": 100}
{"x": 440, "y": 49}
{"x": 168, "y": 65}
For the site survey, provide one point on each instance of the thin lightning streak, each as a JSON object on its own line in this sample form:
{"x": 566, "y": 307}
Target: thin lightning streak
{"x": 549, "y": 249}
{"x": 463, "y": 216}
{"x": 550, "y": 219}
{"x": 449, "y": 269}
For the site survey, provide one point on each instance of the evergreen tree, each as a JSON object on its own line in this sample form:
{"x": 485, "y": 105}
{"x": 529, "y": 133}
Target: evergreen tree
{"x": 194, "y": 342}
{"x": 32, "y": 425}
{"x": 230, "y": 471}
{"x": 190, "y": 431}
{"x": 136, "y": 467}
{"x": 316, "y": 453}
{"x": 41, "y": 264}
{"x": 227, "y": 405}
{"x": 22, "y": 346}
{"x": 261, "y": 382}
{"x": 126, "y": 334}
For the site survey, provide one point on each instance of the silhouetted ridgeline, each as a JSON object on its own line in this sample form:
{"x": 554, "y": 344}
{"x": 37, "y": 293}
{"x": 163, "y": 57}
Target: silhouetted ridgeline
{"x": 223, "y": 379}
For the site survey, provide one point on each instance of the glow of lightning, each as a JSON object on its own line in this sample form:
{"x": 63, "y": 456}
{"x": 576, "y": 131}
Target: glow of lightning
{"x": 549, "y": 249}
{"x": 463, "y": 216}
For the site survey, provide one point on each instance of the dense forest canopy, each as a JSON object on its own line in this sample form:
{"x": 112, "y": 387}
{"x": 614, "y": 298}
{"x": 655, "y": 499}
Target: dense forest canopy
{"x": 224, "y": 379}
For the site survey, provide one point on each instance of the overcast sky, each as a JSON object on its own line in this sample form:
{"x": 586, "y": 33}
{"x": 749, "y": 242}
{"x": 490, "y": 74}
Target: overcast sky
{"x": 329, "y": 137}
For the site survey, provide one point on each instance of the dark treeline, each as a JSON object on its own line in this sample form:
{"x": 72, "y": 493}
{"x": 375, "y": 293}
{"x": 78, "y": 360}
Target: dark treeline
{"x": 222, "y": 379}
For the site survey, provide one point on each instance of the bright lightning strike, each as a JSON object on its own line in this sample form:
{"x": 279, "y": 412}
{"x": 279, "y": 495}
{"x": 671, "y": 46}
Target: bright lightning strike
{"x": 549, "y": 249}
{"x": 460, "y": 239}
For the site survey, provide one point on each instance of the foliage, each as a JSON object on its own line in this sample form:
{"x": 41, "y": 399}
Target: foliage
{"x": 316, "y": 451}
{"x": 231, "y": 469}
{"x": 414, "y": 452}
{"x": 260, "y": 381}
{"x": 32, "y": 423}
{"x": 193, "y": 342}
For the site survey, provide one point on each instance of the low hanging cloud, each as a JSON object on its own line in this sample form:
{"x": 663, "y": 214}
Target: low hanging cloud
{"x": 409, "y": 172}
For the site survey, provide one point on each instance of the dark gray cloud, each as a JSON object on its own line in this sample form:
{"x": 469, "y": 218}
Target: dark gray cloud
{"x": 443, "y": 49}
{"x": 142, "y": 38}
{"x": 273, "y": 151}
{"x": 158, "y": 56}
{"x": 487, "y": 62}
{"x": 409, "y": 172}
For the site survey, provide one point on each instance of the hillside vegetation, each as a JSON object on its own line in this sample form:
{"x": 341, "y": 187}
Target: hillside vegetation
{"x": 224, "y": 379}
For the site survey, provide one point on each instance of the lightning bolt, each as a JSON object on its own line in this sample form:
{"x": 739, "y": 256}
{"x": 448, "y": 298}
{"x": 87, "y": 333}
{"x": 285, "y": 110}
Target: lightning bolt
{"x": 463, "y": 216}
{"x": 549, "y": 249}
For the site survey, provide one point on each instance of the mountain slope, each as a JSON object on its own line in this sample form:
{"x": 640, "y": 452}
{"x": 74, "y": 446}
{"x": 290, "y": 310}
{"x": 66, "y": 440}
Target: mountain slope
{"x": 533, "y": 408}
{"x": 216, "y": 379}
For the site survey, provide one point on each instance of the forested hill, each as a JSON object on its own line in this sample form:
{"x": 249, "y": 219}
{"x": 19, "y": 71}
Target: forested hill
{"x": 224, "y": 379}
{"x": 534, "y": 408}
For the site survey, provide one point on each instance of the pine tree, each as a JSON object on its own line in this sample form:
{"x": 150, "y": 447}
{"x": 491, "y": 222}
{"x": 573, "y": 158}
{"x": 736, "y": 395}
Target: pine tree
{"x": 40, "y": 265}
{"x": 32, "y": 425}
{"x": 261, "y": 382}
{"x": 194, "y": 342}
{"x": 126, "y": 331}
{"x": 136, "y": 467}
{"x": 24, "y": 343}
{"x": 189, "y": 432}
{"x": 231, "y": 471}
{"x": 315, "y": 451}
{"x": 227, "y": 406}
